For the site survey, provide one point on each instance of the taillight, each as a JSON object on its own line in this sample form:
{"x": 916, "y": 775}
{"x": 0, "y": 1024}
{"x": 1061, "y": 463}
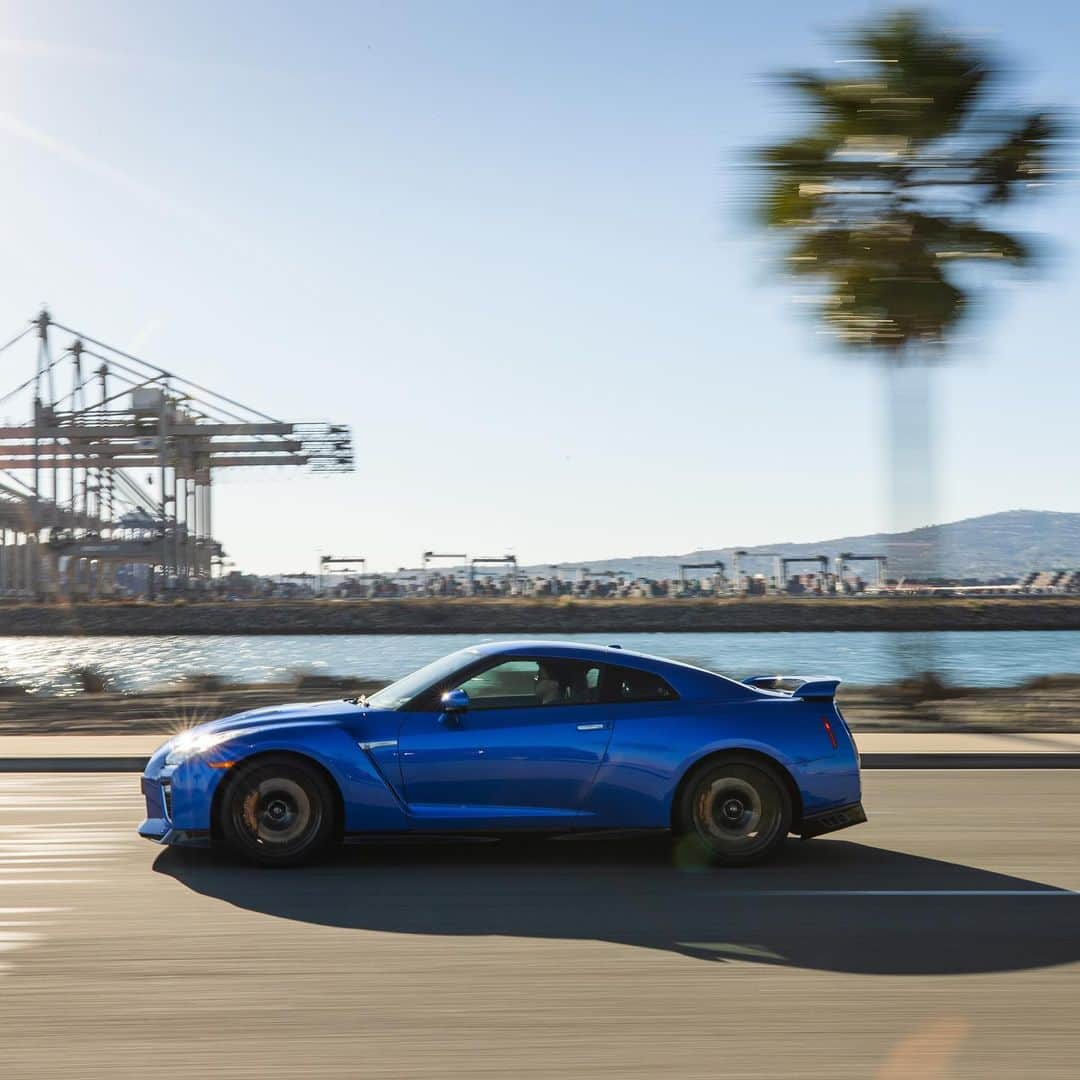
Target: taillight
{"x": 829, "y": 731}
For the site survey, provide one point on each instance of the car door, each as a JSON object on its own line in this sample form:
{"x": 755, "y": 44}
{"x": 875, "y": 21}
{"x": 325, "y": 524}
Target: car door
{"x": 528, "y": 745}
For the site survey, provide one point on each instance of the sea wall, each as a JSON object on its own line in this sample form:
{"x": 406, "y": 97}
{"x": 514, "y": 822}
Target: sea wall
{"x": 540, "y": 616}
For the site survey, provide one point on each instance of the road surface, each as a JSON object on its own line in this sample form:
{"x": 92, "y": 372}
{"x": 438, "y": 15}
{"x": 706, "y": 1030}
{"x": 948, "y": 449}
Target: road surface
{"x": 940, "y": 940}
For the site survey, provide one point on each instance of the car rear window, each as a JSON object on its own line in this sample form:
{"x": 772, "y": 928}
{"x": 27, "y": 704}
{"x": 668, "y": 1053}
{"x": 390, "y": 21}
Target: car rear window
{"x": 630, "y": 684}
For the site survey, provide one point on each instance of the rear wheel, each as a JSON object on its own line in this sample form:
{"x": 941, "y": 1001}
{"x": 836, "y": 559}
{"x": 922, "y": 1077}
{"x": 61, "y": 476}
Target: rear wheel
{"x": 735, "y": 811}
{"x": 277, "y": 812}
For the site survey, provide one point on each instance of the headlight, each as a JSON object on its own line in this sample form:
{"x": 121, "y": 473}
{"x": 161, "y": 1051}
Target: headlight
{"x": 192, "y": 743}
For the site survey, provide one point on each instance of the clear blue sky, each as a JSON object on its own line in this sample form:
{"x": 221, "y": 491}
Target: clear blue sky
{"x": 502, "y": 241}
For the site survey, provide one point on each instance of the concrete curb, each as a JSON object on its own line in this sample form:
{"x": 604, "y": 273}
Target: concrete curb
{"x": 971, "y": 761}
{"x": 73, "y": 764}
{"x": 869, "y": 761}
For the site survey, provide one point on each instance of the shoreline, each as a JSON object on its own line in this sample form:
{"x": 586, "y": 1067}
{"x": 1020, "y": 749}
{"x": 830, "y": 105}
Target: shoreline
{"x": 515, "y": 616}
{"x": 1040, "y": 706}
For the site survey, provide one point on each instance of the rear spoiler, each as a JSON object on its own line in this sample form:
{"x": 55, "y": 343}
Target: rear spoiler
{"x": 817, "y": 688}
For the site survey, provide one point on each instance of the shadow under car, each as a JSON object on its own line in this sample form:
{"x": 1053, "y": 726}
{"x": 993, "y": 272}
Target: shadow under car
{"x": 827, "y": 904}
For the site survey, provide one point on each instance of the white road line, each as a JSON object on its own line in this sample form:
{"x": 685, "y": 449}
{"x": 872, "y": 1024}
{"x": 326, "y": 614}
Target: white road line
{"x": 752, "y": 952}
{"x": 758, "y": 893}
{"x": 47, "y": 881}
{"x": 59, "y": 845}
{"x": 53, "y": 806}
{"x": 32, "y": 910}
{"x": 37, "y": 860}
{"x": 11, "y": 942}
{"x": 117, "y": 825}
{"x": 67, "y": 849}
{"x": 65, "y": 837}
{"x": 14, "y": 846}
{"x": 36, "y": 866}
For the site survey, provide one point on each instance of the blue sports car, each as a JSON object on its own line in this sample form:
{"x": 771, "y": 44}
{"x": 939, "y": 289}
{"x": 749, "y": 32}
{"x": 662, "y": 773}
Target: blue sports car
{"x": 511, "y": 736}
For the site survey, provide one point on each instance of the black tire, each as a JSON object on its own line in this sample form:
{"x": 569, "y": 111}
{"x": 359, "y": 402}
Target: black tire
{"x": 734, "y": 811}
{"x": 277, "y": 811}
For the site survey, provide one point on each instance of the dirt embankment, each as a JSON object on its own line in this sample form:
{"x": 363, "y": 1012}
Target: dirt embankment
{"x": 542, "y": 616}
{"x": 167, "y": 710}
{"x": 1051, "y": 703}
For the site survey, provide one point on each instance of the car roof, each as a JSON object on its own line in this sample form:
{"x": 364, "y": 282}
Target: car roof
{"x": 687, "y": 679}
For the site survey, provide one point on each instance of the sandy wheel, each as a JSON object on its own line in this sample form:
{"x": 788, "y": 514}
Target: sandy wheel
{"x": 277, "y": 812}
{"x": 737, "y": 812}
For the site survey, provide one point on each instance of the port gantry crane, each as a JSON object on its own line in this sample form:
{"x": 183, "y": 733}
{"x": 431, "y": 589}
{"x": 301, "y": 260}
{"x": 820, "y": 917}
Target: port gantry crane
{"x": 430, "y": 556}
{"x": 880, "y": 562}
{"x": 469, "y": 564}
{"x": 345, "y": 562}
{"x": 822, "y": 562}
{"x": 738, "y": 554}
{"x": 717, "y": 565}
{"x": 509, "y": 561}
{"x": 76, "y": 510}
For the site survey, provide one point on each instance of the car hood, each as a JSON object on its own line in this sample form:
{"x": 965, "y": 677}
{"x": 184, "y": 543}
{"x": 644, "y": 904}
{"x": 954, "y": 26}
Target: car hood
{"x": 272, "y": 715}
{"x": 363, "y": 723}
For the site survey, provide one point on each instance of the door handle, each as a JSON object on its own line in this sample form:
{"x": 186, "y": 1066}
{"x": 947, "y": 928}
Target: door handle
{"x": 591, "y": 727}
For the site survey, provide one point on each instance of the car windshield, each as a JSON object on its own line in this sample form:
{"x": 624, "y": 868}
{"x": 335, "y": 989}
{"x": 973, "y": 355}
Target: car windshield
{"x": 398, "y": 693}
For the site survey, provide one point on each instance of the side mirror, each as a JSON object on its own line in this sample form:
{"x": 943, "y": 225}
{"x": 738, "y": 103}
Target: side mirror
{"x": 454, "y": 701}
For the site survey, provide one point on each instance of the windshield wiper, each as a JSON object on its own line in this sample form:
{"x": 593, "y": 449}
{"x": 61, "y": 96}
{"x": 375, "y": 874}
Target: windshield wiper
{"x": 360, "y": 699}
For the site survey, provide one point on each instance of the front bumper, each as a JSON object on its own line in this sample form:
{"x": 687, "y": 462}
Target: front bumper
{"x": 826, "y": 821}
{"x": 159, "y": 824}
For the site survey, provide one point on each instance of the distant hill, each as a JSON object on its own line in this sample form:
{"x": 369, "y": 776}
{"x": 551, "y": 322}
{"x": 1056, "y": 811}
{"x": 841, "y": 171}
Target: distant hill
{"x": 995, "y": 545}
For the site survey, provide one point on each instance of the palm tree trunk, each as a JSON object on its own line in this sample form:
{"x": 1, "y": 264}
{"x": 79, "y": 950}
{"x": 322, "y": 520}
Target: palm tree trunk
{"x": 911, "y": 487}
{"x": 911, "y": 490}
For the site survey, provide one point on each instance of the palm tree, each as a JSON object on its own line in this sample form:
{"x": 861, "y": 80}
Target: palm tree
{"x": 887, "y": 197}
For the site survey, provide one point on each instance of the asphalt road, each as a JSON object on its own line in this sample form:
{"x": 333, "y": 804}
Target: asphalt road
{"x": 940, "y": 940}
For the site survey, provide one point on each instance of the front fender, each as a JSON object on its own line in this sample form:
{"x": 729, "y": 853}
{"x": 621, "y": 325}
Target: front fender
{"x": 369, "y": 799}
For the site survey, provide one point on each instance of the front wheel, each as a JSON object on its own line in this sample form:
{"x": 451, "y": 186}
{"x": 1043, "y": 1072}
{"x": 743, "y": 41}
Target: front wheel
{"x": 277, "y": 812}
{"x": 735, "y": 811}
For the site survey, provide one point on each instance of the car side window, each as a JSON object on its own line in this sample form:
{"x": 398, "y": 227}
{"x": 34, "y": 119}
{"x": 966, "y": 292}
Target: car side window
{"x": 629, "y": 684}
{"x": 507, "y": 685}
{"x": 518, "y": 684}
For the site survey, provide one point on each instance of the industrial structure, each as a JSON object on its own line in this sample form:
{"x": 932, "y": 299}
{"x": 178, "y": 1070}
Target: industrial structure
{"x": 340, "y": 564}
{"x": 880, "y": 562}
{"x": 754, "y": 583}
{"x": 430, "y": 556}
{"x": 465, "y": 575}
{"x": 470, "y": 564}
{"x": 114, "y": 469}
{"x": 720, "y": 581}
